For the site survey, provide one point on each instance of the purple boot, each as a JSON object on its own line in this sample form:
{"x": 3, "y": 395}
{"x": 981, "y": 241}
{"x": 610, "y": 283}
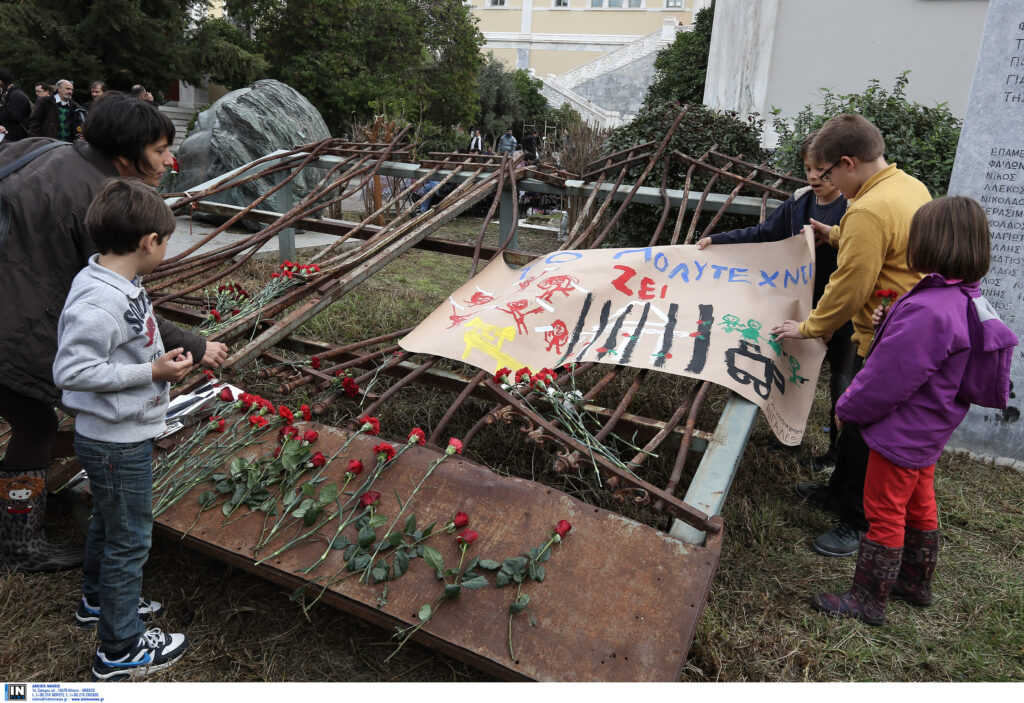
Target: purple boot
{"x": 920, "y": 553}
{"x": 877, "y": 569}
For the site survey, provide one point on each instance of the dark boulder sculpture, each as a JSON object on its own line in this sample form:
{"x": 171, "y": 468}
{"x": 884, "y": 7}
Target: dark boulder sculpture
{"x": 245, "y": 125}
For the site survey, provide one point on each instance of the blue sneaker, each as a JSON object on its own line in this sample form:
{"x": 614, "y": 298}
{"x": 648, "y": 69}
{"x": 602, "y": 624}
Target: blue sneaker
{"x": 88, "y": 614}
{"x": 154, "y": 651}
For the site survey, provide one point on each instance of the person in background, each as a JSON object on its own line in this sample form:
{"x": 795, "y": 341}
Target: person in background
{"x": 15, "y": 108}
{"x": 507, "y": 144}
{"x": 531, "y": 147}
{"x": 476, "y": 144}
{"x": 57, "y": 117}
{"x": 139, "y": 91}
{"x": 940, "y": 348}
{"x": 96, "y": 89}
{"x": 823, "y": 202}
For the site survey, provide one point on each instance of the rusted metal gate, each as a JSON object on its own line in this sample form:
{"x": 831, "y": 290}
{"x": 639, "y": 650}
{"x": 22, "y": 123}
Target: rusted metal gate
{"x": 642, "y": 634}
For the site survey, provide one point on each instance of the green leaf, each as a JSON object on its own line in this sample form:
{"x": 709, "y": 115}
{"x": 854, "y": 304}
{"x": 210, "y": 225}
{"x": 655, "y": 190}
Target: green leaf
{"x": 378, "y": 521}
{"x": 218, "y": 477}
{"x": 238, "y": 467}
{"x": 223, "y": 487}
{"x": 367, "y": 536}
{"x": 545, "y": 555}
{"x": 489, "y": 564}
{"x": 520, "y": 603}
{"x": 360, "y": 562}
{"x": 379, "y": 573}
{"x": 226, "y": 508}
{"x": 308, "y": 490}
{"x": 515, "y": 565}
{"x": 394, "y": 539}
{"x": 328, "y": 493}
{"x": 434, "y": 558}
{"x": 309, "y": 519}
{"x": 425, "y": 612}
{"x": 351, "y": 551}
{"x": 533, "y": 570}
{"x": 340, "y": 542}
{"x": 298, "y": 593}
{"x": 400, "y": 565}
{"x": 289, "y": 496}
{"x": 471, "y": 565}
{"x": 540, "y": 574}
{"x": 475, "y": 583}
{"x": 451, "y": 590}
{"x": 410, "y": 525}
{"x": 417, "y": 535}
{"x": 207, "y": 498}
{"x": 428, "y": 529}
{"x": 502, "y": 579}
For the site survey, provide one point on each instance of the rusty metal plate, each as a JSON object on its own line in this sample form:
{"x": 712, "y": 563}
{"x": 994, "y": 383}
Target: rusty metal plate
{"x": 620, "y": 601}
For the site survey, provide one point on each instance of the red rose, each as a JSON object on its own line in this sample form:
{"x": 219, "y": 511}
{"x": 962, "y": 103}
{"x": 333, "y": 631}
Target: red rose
{"x": 562, "y": 528}
{"x": 306, "y": 414}
{"x": 287, "y": 414}
{"x": 502, "y": 374}
{"x": 467, "y": 537}
{"x": 522, "y": 373}
{"x": 355, "y": 467}
{"x": 369, "y": 498}
{"x": 460, "y": 520}
{"x": 226, "y": 395}
{"x": 209, "y": 375}
{"x": 386, "y": 449}
{"x": 215, "y": 314}
{"x": 318, "y": 460}
{"x": 277, "y": 452}
{"x": 310, "y": 436}
{"x": 416, "y": 436}
{"x": 454, "y": 447}
{"x": 369, "y": 424}
{"x": 314, "y": 361}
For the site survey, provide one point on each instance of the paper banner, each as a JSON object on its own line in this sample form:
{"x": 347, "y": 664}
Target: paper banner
{"x": 677, "y": 309}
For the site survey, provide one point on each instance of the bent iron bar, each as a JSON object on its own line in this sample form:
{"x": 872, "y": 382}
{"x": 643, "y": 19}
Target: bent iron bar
{"x": 356, "y": 165}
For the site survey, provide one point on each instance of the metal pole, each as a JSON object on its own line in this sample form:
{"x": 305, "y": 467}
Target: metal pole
{"x": 505, "y": 217}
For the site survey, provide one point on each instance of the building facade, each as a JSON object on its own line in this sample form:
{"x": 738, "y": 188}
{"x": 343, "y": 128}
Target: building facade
{"x": 597, "y": 55}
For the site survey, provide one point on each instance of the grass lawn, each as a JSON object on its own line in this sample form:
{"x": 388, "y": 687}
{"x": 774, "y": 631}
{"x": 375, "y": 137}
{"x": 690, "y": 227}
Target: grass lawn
{"x": 758, "y": 624}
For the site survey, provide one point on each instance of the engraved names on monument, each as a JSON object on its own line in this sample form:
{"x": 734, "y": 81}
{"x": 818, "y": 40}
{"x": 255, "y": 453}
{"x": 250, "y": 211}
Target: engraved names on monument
{"x": 989, "y": 167}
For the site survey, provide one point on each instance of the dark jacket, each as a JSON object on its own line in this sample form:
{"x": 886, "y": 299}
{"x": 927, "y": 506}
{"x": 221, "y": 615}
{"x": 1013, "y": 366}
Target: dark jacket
{"x": 43, "y": 120}
{"x": 15, "y": 113}
{"x": 940, "y": 348}
{"x": 45, "y": 248}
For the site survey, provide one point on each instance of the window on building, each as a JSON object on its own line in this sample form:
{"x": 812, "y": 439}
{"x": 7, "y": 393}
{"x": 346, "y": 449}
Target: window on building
{"x": 636, "y": 3}
{"x": 496, "y": 3}
{"x": 561, "y": 3}
{"x": 614, "y": 3}
{"x": 673, "y": 3}
{"x": 597, "y": 3}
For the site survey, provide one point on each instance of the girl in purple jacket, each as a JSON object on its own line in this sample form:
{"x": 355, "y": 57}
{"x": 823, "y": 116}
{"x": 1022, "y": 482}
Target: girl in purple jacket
{"x": 940, "y": 348}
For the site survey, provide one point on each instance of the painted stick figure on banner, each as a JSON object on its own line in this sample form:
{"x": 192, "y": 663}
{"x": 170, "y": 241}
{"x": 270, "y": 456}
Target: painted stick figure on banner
{"x": 489, "y": 339}
{"x": 563, "y": 284}
{"x": 556, "y": 336}
{"x": 516, "y": 309}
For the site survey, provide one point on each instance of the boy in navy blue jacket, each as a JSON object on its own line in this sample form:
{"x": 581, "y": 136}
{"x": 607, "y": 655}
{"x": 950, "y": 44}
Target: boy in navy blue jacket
{"x": 115, "y": 374}
{"x": 823, "y": 202}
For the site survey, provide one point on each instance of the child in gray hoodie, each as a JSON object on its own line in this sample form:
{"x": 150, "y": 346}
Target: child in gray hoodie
{"x": 115, "y": 374}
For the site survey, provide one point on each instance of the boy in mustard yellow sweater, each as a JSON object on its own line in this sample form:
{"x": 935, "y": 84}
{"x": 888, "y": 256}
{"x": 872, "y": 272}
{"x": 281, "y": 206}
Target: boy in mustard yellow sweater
{"x": 872, "y": 243}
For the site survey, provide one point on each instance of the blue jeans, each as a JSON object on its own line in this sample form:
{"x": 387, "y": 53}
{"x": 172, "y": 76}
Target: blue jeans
{"x": 120, "y": 533}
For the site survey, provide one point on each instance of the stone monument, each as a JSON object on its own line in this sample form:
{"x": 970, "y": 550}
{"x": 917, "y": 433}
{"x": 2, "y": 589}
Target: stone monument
{"x": 989, "y": 167}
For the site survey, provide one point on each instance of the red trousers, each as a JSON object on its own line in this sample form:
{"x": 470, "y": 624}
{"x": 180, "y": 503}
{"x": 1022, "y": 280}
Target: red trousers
{"x": 895, "y": 497}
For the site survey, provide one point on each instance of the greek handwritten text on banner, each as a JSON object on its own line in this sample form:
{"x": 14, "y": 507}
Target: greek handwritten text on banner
{"x": 677, "y": 309}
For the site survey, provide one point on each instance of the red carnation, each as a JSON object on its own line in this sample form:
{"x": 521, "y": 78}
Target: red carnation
{"x": 287, "y": 431}
{"x": 502, "y": 374}
{"x": 522, "y": 373}
{"x": 215, "y": 314}
{"x": 306, "y": 414}
{"x": 219, "y": 421}
{"x": 460, "y": 520}
{"x": 318, "y": 460}
{"x": 275, "y": 275}
{"x": 374, "y": 424}
{"x": 221, "y": 289}
{"x": 369, "y": 498}
{"x": 209, "y": 375}
{"x": 467, "y": 537}
{"x": 386, "y": 449}
{"x": 314, "y": 361}
{"x": 287, "y": 414}
{"x": 247, "y": 400}
{"x": 416, "y": 436}
{"x": 259, "y": 420}
{"x": 562, "y": 528}
{"x": 226, "y": 396}
{"x": 355, "y": 467}
{"x": 310, "y": 436}
{"x": 454, "y": 447}
{"x": 350, "y": 386}
{"x": 235, "y": 311}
